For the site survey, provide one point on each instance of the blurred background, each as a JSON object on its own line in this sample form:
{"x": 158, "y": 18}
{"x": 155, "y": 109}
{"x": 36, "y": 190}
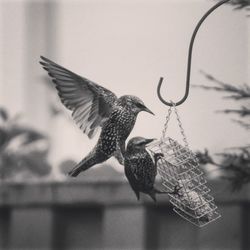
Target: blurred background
{"x": 124, "y": 46}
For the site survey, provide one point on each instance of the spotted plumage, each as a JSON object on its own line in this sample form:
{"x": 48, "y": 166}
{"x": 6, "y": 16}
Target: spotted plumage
{"x": 94, "y": 107}
{"x": 141, "y": 168}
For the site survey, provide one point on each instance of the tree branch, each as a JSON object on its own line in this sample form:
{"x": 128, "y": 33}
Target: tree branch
{"x": 239, "y": 93}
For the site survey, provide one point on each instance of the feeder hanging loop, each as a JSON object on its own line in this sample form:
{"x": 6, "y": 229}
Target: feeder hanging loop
{"x": 189, "y": 63}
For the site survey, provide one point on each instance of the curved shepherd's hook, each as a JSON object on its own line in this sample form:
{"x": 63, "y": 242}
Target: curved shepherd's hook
{"x": 189, "y": 59}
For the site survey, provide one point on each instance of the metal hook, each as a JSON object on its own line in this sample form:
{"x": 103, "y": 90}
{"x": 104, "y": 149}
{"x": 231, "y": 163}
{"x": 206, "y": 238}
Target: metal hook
{"x": 189, "y": 59}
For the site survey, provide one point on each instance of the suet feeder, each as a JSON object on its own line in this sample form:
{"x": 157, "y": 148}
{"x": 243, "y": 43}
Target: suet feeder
{"x": 181, "y": 175}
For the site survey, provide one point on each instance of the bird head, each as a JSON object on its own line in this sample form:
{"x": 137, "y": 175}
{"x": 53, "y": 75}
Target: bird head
{"x": 138, "y": 143}
{"x": 134, "y": 103}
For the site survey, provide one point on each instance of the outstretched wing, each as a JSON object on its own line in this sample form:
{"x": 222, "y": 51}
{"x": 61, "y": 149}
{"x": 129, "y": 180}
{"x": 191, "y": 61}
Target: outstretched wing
{"x": 91, "y": 104}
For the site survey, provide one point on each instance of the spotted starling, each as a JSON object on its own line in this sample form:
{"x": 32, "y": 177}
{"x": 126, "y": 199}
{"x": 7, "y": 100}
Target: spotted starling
{"x": 141, "y": 167}
{"x": 94, "y": 107}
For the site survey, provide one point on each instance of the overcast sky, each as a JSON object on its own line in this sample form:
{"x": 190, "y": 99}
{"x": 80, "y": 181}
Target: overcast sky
{"x": 126, "y": 46}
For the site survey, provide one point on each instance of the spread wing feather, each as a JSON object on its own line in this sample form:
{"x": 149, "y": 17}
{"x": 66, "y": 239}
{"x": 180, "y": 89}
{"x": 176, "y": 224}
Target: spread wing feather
{"x": 90, "y": 103}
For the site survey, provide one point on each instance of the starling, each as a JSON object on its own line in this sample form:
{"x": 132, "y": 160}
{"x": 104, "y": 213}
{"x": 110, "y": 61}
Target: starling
{"x": 141, "y": 167}
{"x": 94, "y": 107}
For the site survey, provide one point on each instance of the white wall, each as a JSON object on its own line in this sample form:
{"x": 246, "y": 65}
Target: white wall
{"x": 126, "y": 46}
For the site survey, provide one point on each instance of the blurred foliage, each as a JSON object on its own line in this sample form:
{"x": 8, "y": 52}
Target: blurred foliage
{"x": 235, "y": 162}
{"x": 237, "y": 166}
{"x": 239, "y": 4}
{"x": 23, "y": 151}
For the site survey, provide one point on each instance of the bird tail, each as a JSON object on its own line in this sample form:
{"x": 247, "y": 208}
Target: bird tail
{"x": 153, "y": 196}
{"x": 84, "y": 164}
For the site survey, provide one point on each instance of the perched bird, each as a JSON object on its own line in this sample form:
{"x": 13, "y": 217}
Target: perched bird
{"x": 94, "y": 107}
{"x": 141, "y": 168}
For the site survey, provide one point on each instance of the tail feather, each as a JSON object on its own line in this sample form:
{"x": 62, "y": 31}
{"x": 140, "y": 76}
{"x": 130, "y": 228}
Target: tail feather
{"x": 137, "y": 193}
{"x": 85, "y": 164}
{"x": 76, "y": 170}
{"x": 153, "y": 196}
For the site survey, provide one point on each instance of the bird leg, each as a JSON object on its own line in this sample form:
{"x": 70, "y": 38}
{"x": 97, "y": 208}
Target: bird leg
{"x": 157, "y": 191}
{"x": 175, "y": 191}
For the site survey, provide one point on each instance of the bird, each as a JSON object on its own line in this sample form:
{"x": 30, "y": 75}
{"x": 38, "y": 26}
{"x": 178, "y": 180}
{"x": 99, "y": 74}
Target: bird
{"x": 140, "y": 167}
{"x": 95, "y": 107}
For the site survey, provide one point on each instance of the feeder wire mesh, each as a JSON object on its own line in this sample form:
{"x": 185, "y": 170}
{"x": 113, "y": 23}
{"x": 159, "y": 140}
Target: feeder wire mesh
{"x": 182, "y": 177}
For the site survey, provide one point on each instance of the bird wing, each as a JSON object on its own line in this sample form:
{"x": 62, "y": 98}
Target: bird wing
{"x": 91, "y": 103}
{"x": 131, "y": 178}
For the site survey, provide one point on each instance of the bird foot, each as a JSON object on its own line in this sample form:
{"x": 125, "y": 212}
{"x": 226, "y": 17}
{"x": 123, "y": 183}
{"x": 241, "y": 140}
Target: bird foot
{"x": 176, "y": 190}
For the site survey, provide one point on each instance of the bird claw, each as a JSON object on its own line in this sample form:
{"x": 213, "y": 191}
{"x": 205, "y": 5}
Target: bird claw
{"x": 176, "y": 190}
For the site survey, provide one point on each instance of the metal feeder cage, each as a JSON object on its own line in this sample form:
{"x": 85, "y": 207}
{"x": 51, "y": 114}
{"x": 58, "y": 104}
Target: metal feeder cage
{"x": 181, "y": 175}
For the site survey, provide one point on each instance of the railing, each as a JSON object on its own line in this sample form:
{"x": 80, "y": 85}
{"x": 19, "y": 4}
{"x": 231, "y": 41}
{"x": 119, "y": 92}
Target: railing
{"x": 106, "y": 215}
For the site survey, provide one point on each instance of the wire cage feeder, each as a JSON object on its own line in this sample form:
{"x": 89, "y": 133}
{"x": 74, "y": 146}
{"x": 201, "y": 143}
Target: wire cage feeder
{"x": 183, "y": 179}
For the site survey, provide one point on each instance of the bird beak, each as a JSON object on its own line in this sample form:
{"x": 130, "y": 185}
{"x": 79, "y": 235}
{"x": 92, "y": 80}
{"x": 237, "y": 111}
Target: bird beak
{"x": 147, "y": 141}
{"x": 147, "y": 110}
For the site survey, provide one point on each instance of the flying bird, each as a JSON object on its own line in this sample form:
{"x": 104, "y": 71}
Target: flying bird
{"x": 94, "y": 107}
{"x": 141, "y": 168}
